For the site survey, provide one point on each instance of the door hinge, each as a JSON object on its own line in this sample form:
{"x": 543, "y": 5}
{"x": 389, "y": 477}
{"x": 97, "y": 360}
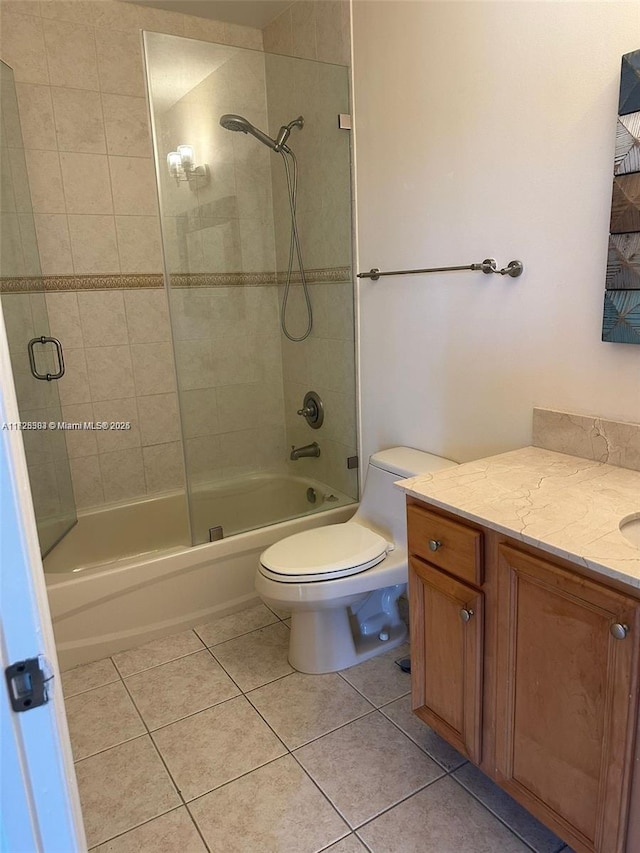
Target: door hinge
{"x": 26, "y": 682}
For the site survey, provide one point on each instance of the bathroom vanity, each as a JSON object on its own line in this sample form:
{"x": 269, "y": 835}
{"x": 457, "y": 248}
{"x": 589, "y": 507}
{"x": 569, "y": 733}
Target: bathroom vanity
{"x": 525, "y": 628}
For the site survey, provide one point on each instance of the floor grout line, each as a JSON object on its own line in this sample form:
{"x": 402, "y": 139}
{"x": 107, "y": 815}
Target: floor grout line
{"x": 287, "y": 751}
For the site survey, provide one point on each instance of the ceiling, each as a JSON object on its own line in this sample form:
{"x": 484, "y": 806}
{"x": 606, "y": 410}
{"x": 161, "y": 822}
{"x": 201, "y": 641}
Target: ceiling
{"x": 251, "y": 13}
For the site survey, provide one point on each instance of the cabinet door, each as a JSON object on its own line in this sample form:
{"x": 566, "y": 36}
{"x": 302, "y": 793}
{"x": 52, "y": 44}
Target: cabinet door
{"x": 567, "y": 699}
{"x": 446, "y": 656}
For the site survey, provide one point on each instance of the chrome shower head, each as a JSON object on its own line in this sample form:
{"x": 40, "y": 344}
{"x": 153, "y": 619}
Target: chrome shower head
{"x": 241, "y": 124}
{"x": 238, "y": 123}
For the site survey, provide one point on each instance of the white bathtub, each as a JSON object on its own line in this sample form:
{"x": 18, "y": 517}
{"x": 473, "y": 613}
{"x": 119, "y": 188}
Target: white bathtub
{"x": 126, "y": 574}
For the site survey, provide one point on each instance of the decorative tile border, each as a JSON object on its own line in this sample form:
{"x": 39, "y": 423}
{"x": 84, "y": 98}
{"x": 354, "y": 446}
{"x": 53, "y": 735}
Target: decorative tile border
{"x": 52, "y": 283}
{"x": 594, "y": 438}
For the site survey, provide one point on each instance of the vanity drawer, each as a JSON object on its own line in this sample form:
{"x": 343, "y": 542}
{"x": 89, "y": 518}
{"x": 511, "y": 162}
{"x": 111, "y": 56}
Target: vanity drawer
{"x": 448, "y": 544}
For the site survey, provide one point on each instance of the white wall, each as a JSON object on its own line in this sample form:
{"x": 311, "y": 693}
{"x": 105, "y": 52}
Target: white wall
{"x": 487, "y": 129}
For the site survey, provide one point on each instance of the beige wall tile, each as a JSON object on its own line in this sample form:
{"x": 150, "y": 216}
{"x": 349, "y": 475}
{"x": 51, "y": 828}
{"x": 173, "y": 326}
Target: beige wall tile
{"x": 18, "y": 319}
{"x": 240, "y": 36}
{"x": 20, "y": 178}
{"x": 87, "y": 481}
{"x": 78, "y": 121}
{"x": 71, "y": 54}
{"x": 204, "y": 458}
{"x": 102, "y": 317}
{"x": 199, "y": 412}
{"x": 164, "y": 467}
{"x": 77, "y": 11}
{"x": 81, "y": 442}
{"x": 74, "y": 385}
{"x": 29, "y": 242}
{"x": 122, "y": 474}
{"x": 126, "y": 122}
{"x": 122, "y": 411}
{"x": 278, "y": 35}
{"x": 147, "y": 316}
{"x": 139, "y": 243}
{"x": 204, "y": 29}
{"x": 20, "y": 7}
{"x": 133, "y": 184}
{"x": 329, "y": 32}
{"x": 194, "y": 364}
{"x": 153, "y": 368}
{"x": 22, "y": 44}
{"x": 64, "y": 318}
{"x": 36, "y": 116}
{"x": 93, "y": 244}
{"x": 159, "y": 419}
{"x": 110, "y": 373}
{"x": 85, "y": 178}
{"x": 120, "y": 63}
{"x": 45, "y": 181}
{"x": 303, "y": 22}
{"x": 12, "y": 256}
{"x": 115, "y": 15}
{"x": 161, "y": 21}
{"x": 54, "y": 243}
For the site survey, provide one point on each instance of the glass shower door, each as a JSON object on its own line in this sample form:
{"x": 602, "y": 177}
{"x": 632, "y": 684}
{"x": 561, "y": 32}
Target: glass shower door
{"x": 242, "y": 369}
{"x": 32, "y": 351}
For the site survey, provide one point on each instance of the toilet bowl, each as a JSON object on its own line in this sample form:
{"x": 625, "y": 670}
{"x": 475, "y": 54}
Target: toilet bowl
{"x": 342, "y": 582}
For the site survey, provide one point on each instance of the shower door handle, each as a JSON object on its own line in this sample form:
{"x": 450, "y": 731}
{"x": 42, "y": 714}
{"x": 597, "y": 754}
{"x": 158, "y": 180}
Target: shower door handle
{"x": 47, "y": 377}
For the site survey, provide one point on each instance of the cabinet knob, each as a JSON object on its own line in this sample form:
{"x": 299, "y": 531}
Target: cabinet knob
{"x": 465, "y": 614}
{"x": 434, "y": 544}
{"x": 619, "y": 631}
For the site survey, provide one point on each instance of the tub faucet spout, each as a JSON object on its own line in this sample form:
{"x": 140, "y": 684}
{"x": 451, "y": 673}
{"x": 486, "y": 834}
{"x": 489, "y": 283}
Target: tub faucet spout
{"x": 307, "y": 450}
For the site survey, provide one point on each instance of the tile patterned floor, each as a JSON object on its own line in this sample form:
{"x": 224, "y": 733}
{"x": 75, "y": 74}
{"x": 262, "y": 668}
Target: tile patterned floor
{"x": 209, "y": 741}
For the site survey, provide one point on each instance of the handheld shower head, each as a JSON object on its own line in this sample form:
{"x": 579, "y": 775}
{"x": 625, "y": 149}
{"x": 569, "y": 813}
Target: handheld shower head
{"x": 240, "y": 123}
{"x": 230, "y": 121}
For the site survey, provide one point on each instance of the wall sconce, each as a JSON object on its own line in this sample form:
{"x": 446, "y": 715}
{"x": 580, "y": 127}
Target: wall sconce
{"x": 181, "y": 165}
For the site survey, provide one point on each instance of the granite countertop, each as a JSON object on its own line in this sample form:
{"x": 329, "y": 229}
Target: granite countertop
{"x": 564, "y": 505}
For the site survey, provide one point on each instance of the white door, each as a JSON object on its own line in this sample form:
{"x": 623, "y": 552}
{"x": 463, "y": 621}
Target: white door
{"x": 39, "y": 804}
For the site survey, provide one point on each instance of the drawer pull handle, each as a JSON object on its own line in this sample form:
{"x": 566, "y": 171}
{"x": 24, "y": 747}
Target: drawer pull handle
{"x": 434, "y": 544}
{"x": 465, "y": 614}
{"x": 619, "y": 631}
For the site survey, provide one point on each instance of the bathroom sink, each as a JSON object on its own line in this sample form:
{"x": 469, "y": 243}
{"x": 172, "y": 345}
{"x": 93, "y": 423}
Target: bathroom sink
{"x": 630, "y": 529}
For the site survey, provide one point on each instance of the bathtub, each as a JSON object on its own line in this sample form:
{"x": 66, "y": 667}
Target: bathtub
{"x": 127, "y": 574}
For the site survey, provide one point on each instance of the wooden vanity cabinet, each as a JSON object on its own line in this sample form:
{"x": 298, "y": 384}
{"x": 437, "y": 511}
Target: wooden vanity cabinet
{"x": 446, "y": 656}
{"x": 546, "y": 680}
{"x": 447, "y": 627}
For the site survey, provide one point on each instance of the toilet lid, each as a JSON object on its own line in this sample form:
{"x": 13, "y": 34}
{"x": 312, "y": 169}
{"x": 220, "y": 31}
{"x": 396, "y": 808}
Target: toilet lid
{"x": 324, "y": 553}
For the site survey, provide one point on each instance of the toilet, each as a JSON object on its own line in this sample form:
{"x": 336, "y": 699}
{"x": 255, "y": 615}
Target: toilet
{"x": 342, "y": 582}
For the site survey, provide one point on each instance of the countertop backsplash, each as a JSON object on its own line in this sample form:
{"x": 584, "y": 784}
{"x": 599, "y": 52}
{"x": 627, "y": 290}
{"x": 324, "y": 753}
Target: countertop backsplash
{"x": 600, "y": 439}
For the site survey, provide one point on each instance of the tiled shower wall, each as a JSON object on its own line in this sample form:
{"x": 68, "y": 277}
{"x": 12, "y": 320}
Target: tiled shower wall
{"x": 324, "y": 362}
{"x": 228, "y": 358}
{"x": 79, "y": 75}
{"x": 80, "y": 84}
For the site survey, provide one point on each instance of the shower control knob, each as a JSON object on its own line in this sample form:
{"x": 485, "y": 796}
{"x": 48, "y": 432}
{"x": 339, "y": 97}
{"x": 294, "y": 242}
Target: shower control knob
{"x": 312, "y": 410}
{"x": 434, "y": 544}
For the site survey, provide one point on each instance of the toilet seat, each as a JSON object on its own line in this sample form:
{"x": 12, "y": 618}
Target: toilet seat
{"x": 325, "y": 553}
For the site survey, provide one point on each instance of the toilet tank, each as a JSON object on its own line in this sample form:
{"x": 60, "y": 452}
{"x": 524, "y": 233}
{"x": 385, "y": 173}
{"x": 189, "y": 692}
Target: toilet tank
{"x": 382, "y": 506}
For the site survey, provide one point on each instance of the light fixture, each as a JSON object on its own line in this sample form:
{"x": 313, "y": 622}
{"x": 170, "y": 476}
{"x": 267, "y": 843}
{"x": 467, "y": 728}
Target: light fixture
{"x": 181, "y": 165}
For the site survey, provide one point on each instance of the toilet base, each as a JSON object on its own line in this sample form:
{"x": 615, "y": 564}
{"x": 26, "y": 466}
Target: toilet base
{"x": 334, "y": 639}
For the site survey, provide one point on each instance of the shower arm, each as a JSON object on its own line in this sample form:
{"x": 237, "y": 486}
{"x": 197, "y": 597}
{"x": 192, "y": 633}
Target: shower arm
{"x": 488, "y": 266}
